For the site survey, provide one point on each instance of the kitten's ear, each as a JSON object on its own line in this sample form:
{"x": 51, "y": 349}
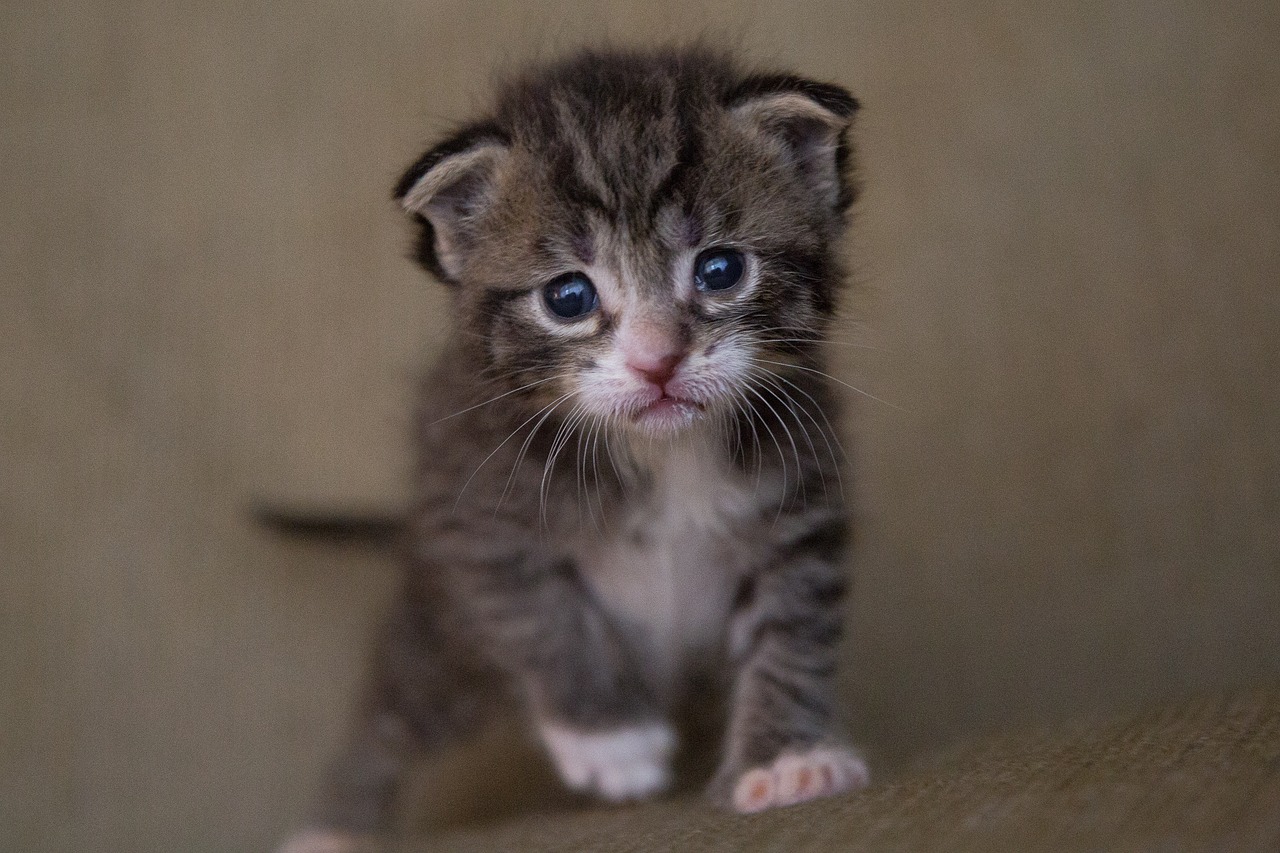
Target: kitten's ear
{"x": 810, "y": 120}
{"x": 447, "y": 190}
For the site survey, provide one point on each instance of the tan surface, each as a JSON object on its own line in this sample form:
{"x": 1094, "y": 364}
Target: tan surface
{"x": 1204, "y": 776}
{"x": 1070, "y": 261}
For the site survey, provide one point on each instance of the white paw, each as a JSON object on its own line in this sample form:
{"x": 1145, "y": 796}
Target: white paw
{"x": 328, "y": 841}
{"x": 798, "y": 777}
{"x": 619, "y": 764}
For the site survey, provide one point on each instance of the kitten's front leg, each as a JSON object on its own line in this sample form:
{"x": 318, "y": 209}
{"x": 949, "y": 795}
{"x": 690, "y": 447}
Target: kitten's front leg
{"x": 603, "y": 729}
{"x": 780, "y": 748}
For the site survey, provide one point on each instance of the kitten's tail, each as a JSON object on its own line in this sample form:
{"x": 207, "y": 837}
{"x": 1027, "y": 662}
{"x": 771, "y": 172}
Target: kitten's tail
{"x": 338, "y": 526}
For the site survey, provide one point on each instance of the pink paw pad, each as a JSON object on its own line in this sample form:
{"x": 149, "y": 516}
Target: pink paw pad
{"x": 799, "y": 777}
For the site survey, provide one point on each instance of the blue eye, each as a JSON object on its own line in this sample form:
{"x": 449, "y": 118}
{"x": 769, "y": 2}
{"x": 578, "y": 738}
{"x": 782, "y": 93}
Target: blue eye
{"x": 718, "y": 269}
{"x": 570, "y": 296}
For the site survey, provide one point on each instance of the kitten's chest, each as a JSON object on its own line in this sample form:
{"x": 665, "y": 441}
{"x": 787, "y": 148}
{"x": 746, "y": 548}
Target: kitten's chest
{"x": 670, "y": 566}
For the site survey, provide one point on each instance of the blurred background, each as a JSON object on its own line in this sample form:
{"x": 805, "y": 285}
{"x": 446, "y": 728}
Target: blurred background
{"x": 1067, "y": 271}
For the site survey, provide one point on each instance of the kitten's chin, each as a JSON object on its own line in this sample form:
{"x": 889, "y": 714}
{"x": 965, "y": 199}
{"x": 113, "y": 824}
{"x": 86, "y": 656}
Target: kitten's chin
{"x": 667, "y": 416}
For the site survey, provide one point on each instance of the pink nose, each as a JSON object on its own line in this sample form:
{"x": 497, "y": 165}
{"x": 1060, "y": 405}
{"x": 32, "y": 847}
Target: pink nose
{"x": 657, "y": 369}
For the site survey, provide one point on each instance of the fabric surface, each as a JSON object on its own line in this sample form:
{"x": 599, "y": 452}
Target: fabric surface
{"x": 1204, "y": 775}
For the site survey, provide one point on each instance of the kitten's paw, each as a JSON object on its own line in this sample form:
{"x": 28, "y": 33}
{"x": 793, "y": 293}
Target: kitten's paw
{"x": 796, "y": 777}
{"x": 329, "y": 841}
{"x": 619, "y": 764}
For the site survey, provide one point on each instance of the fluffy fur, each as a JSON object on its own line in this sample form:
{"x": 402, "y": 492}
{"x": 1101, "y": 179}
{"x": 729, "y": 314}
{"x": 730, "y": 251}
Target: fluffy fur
{"x": 616, "y": 507}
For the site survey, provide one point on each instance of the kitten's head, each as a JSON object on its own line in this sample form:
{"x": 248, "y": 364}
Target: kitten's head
{"x": 639, "y": 237}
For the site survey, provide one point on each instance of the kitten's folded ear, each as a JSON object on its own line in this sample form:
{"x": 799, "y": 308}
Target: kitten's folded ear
{"x": 447, "y": 190}
{"x": 810, "y": 120}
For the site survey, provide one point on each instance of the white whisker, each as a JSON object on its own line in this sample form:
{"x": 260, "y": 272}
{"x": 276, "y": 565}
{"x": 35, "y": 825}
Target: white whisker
{"x": 609, "y": 452}
{"x": 598, "y": 427}
{"x": 820, "y": 342}
{"x": 563, "y": 435}
{"x": 494, "y": 399}
{"x": 782, "y": 425}
{"x": 524, "y": 448}
{"x": 789, "y": 402}
{"x": 835, "y": 463}
{"x": 833, "y": 379}
{"x": 496, "y": 449}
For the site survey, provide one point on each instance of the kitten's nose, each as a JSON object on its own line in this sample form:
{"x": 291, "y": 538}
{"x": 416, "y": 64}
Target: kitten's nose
{"x": 657, "y": 368}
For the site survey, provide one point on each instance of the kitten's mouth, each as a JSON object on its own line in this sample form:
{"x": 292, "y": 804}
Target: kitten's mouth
{"x": 667, "y": 412}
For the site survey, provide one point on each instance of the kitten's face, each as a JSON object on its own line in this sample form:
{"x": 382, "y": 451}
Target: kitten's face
{"x": 649, "y": 255}
{"x": 654, "y": 347}
{"x": 653, "y": 332}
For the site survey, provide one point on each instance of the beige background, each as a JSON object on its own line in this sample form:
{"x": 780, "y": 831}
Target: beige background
{"x": 1068, "y": 269}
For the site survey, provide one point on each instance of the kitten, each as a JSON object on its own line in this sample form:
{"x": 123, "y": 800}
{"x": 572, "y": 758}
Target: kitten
{"x": 627, "y": 488}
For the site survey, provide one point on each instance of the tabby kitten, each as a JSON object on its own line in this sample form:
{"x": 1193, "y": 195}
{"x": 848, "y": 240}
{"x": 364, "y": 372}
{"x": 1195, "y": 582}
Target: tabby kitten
{"x": 627, "y": 484}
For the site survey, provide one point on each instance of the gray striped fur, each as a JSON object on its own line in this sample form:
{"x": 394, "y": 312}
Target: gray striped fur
{"x": 602, "y": 577}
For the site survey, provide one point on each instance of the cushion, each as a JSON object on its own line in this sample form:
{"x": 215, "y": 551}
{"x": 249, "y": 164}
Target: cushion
{"x": 1201, "y": 775}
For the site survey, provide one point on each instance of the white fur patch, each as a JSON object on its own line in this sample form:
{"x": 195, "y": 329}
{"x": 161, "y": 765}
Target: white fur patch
{"x": 670, "y": 571}
{"x": 621, "y": 764}
{"x": 799, "y": 777}
{"x": 328, "y": 841}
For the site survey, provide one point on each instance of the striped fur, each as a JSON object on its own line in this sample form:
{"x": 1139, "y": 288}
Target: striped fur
{"x": 567, "y": 552}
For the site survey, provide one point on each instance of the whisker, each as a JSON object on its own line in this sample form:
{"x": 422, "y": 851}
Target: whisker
{"x": 751, "y": 415}
{"x": 789, "y": 402}
{"x": 833, "y": 379}
{"x": 510, "y": 435}
{"x": 835, "y": 436}
{"x": 599, "y": 427}
{"x": 524, "y": 448}
{"x": 782, "y": 425}
{"x": 609, "y": 452}
{"x": 726, "y": 420}
{"x": 580, "y": 459}
{"x": 563, "y": 435}
{"x": 494, "y": 399}
{"x": 804, "y": 335}
{"x": 820, "y": 341}
{"x": 550, "y": 461}
{"x": 782, "y": 457}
